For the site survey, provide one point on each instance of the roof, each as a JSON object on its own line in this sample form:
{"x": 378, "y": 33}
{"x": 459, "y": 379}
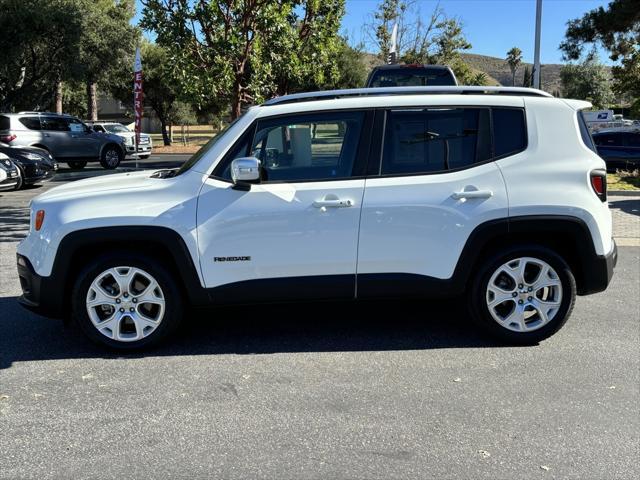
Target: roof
{"x": 389, "y": 91}
{"x": 397, "y": 66}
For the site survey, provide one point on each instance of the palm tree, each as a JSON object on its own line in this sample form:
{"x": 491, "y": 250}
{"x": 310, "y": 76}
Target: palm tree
{"x": 514, "y": 59}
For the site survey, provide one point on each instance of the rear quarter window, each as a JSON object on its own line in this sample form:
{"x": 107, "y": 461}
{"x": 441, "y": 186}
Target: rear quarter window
{"x": 587, "y": 139}
{"x": 509, "y": 131}
{"x": 5, "y": 123}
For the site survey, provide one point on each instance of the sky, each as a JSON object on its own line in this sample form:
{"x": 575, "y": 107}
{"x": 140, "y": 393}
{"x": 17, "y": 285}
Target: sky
{"x": 491, "y": 26}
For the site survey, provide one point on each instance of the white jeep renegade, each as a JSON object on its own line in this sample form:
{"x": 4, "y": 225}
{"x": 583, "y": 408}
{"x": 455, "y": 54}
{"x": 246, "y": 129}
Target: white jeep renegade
{"x": 492, "y": 193}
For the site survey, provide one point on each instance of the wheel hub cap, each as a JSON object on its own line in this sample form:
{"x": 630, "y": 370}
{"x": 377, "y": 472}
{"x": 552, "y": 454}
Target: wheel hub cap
{"x": 524, "y": 294}
{"x": 125, "y": 303}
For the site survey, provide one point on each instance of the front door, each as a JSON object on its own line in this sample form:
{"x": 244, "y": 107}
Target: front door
{"x": 295, "y": 234}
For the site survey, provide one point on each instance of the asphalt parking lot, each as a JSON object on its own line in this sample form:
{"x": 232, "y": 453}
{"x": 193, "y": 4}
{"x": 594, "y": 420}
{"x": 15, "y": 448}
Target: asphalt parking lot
{"x": 379, "y": 390}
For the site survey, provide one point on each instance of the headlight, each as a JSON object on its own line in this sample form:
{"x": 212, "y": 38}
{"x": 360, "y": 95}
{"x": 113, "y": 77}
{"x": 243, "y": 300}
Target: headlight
{"x": 33, "y": 156}
{"x": 3, "y": 156}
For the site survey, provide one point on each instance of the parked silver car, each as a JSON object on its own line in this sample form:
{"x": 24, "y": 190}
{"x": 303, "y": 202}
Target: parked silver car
{"x": 65, "y": 137}
{"x": 145, "y": 146}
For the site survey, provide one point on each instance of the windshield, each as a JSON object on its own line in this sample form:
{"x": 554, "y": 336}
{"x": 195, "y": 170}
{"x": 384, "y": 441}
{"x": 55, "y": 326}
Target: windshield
{"x": 116, "y": 128}
{"x": 205, "y": 148}
{"x": 411, "y": 77}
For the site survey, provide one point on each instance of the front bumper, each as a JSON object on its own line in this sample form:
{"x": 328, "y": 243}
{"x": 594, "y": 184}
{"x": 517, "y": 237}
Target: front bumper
{"x": 598, "y": 272}
{"x": 42, "y": 295}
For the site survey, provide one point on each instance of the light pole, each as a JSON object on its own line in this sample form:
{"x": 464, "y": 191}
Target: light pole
{"x": 536, "y": 60}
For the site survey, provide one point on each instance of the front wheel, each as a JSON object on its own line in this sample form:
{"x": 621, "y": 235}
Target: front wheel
{"x": 524, "y": 295}
{"x": 111, "y": 157}
{"x": 126, "y": 302}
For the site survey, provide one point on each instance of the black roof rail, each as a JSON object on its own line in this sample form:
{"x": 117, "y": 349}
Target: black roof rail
{"x": 44, "y": 113}
{"x": 384, "y": 91}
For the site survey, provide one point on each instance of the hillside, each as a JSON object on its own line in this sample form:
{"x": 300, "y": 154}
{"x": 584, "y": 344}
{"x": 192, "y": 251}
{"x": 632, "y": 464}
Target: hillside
{"x": 499, "y": 69}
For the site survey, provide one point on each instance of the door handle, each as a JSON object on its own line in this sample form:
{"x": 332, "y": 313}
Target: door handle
{"x": 332, "y": 203}
{"x": 472, "y": 194}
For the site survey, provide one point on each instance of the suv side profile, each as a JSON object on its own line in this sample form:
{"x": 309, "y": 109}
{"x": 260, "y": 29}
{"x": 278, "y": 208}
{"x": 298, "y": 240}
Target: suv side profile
{"x": 495, "y": 194}
{"x": 66, "y": 138}
{"x": 145, "y": 146}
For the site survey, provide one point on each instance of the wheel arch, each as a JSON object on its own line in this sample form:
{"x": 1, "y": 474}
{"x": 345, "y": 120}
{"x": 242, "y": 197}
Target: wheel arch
{"x": 112, "y": 144}
{"x": 161, "y": 243}
{"x": 568, "y": 236}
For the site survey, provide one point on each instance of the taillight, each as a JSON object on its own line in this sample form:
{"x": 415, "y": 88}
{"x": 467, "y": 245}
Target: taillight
{"x": 599, "y": 184}
{"x": 7, "y": 138}
{"x": 39, "y": 219}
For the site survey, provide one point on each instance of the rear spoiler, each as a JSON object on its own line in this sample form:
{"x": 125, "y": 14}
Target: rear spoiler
{"x": 577, "y": 104}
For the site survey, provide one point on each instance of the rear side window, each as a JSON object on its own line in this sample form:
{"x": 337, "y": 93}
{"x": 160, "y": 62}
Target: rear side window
{"x": 32, "y": 123}
{"x": 434, "y": 140}
{"x": 5, "y": 123}
{"x": 585, "y": 134}
{"x": 509, "y": 131}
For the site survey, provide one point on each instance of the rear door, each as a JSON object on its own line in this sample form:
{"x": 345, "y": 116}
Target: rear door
{"x": 436, "y": 182}
{"x": 56, "y": 136}
{"x": 295, "y": 234}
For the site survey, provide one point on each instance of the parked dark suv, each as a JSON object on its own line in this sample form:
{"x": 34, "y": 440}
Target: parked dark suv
{"x": 620, "y": 149}
{"x": 65, "y": 137}
{"x": 411, "y": 75}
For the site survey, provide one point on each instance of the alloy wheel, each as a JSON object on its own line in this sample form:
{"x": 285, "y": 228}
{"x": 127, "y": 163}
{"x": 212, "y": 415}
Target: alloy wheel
{"x": 125, "y": 303}
{"x": 524, "y": 294}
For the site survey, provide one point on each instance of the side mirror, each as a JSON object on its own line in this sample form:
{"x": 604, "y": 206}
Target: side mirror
{"x": 244, "y": 171}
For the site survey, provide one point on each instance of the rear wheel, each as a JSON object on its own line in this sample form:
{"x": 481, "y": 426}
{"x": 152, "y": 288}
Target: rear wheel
{"x": 126, "y": 302}
{"x": 524, "y": 295}
{"x": 111, "y": 157}
{"x": 77, "y": 164}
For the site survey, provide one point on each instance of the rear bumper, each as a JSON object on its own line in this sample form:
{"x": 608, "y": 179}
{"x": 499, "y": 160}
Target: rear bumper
{"x": 598, "y": 273}
{"x": 41, "y": 295}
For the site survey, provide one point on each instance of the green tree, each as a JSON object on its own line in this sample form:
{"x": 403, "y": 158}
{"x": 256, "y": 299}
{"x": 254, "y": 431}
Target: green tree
{"x": 38, "y": 41}
{"x": 514, "y": 59}
{"x": 435, "y": 39}
{"x": 587, "y": 80}
{"x": 243, "y": 51}
{"x": 107, "y": 47}
{"x": 617, "y": 28}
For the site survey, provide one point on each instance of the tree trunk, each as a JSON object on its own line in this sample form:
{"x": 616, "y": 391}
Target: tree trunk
{"x": 92, "y": 100}
{"x": 59, "y": 96}
{"x": 165, "y": 135}
{"x": 236, "y": 104}
{"x": 513, "y": 81}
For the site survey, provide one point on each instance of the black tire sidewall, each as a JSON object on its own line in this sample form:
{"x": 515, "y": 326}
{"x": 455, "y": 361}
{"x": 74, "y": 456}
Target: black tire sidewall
{"x": 480, "y": 311}
{"x": 173, "y": 299}
{"x": 77, "y": 164}
{"x": 103, "y": 157}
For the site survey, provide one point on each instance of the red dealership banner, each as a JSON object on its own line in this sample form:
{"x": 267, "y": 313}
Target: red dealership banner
{"x": 138, "y": 95}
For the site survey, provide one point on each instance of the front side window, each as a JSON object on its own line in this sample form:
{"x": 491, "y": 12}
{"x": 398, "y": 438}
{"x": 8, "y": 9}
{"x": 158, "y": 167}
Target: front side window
{"x": 309, "y": 147}
{"x": 56, "y": 124}
{"x": 435, "y": 140}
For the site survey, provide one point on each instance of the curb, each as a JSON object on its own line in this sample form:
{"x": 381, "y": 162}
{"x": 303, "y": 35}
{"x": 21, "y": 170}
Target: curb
{"x": 624, "y": 193}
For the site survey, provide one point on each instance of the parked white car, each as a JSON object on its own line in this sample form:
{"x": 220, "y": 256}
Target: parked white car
{"x": 146, "y": 143}
{"x": 494, "y": 194}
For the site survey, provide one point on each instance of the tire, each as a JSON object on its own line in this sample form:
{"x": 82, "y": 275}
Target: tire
{"x": 498, "y": 312}
{"x": 115, "y": 319}
{"x": 111, "y": 157}
{"x": 77, "y": 164}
